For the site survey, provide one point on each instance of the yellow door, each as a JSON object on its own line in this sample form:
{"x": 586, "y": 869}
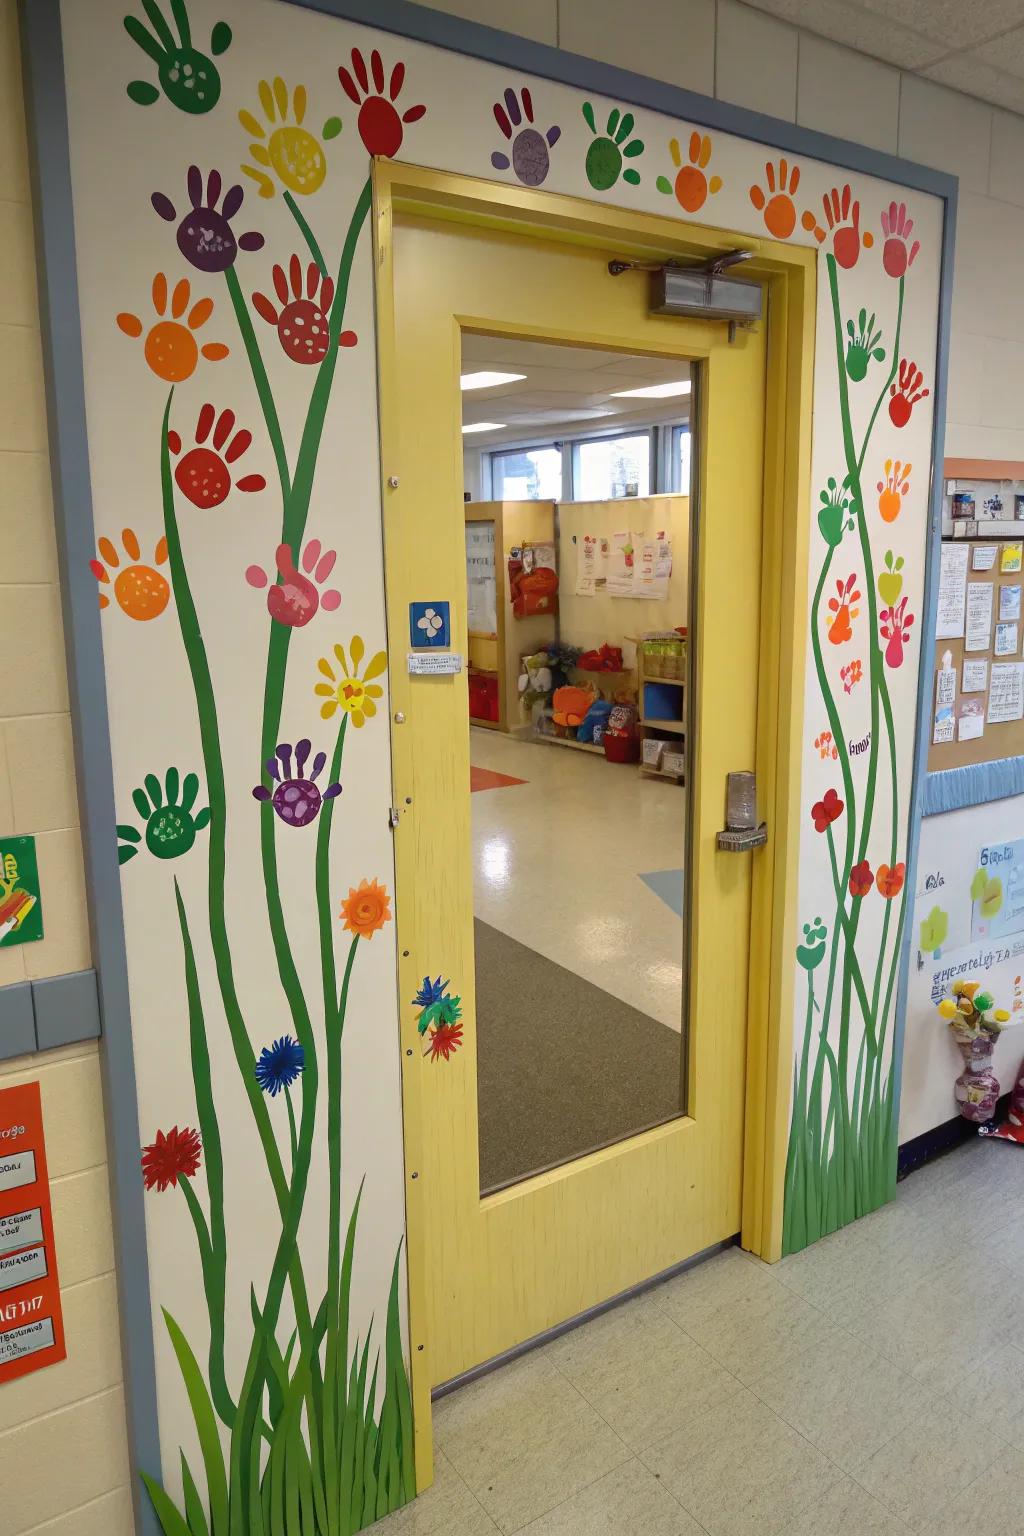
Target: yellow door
{"x": 488, "y": 1273}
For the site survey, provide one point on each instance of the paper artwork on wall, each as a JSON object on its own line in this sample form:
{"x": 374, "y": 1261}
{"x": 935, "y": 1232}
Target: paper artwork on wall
{"x": 591, "y": 564}
{"x": 945, "y": 698}
{"x": 621, "y": 565}
{"x": 1009, "y": 604}
{"x": 653, "y": 567}
{"x": 1010, "y": 557}
{"x": 1006, "y": 692}
{"x": 983, "y": 557}
{"x": 974, "y": 677}
{"x": 1006, "y": 640}
{"x": 971, "y": 724}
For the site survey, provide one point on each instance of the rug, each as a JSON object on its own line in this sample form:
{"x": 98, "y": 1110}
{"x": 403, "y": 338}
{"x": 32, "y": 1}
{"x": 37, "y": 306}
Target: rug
{"x": 488, "y": 778}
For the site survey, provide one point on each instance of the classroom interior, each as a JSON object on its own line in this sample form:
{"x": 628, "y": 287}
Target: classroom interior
{"x": 579, "y": 534}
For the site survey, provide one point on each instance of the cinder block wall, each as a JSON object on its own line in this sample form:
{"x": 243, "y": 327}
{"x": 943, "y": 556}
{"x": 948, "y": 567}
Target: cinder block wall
{"x": 63, "y": 1449}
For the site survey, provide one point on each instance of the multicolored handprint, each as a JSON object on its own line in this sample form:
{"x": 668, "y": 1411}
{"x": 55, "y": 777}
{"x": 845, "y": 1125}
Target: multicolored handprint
{"x": 892, "y": 489}
{"x": 691, "y": 185}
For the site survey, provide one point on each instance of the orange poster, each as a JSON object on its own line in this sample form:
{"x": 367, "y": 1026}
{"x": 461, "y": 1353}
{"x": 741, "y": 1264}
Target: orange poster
{"x": 31, "y": 1326}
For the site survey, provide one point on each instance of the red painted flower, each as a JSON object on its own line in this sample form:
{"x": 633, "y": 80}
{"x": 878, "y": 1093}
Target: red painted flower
{"x": 897, "y": 229}
{"x": 443, "y": 1040}
{"x": 826, "y": 810}
{"x": 302, "y": 325}
{"x": 861, "y": 878}
{"x": 204, "y": 475}
{"x": 171, "y": 1157}
{"x": 380, "y": 126}
{"x": 890, "y": 881}
{"x": 905, "y": 394}
{"x": 842, "y": 215}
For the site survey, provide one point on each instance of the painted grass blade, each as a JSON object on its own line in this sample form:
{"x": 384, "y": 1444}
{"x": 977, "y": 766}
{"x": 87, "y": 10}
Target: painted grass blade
{"x": 206, "y": 1427}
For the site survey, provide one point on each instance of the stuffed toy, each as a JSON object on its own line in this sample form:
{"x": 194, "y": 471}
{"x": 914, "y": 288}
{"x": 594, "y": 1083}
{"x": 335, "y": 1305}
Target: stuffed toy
{"x": 595, "y": 721}
{"x": 535, "y": 680}
{"x": 569, "y": 705}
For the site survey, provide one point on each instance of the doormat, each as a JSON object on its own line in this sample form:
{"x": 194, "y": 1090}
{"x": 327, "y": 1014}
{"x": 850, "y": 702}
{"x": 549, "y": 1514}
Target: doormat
{"x": 562, "y": 1067}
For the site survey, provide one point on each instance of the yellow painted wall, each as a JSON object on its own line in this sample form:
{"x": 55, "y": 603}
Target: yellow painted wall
{"x": 592, "y": 621}
{"x": 63, "y": 1451}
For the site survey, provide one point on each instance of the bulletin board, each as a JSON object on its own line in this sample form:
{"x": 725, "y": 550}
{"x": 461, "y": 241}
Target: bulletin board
{"x": 591, "y": 621}
{"x": 1003, "y": 738}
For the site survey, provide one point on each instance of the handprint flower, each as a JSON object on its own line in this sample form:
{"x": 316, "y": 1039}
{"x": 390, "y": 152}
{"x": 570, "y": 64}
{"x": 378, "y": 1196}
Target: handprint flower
{"x": 811, "y": 952}
{"x": 205, "y": 237}
{"x": 897, "y": 229}
{"x": 890, "y": 581}
{"x": 204, "y": 474}
{"x": 895, "y": 626}
{"x": 842, "y": 215}
{"x": 777, "y": 207}
{"x": 530, "y": 160}
{"x": 188, "y": 79}
{"x": 607, "y": 151}
{"x": 279, "y": 1065}
{"x": 862, "y": 346}
{"x": 861, "y": 878}
{"x": 365, "y": 909}
{"x": 833, "y": 514}
{"x": 841, "y": 611}
{"x": 904, "y": 395}
{"x": 851, "y": 675}
{"x": 171, "y": 1157}
{"x": 892, "y": 489}
{"x": 293, "y": 600}
{"x": 890, "y": 881}
{"x": 140, "y": 591}
{"x": 170, "y": 824}
{"x": 379, "y": 122}
{"x": 296, "y": 799}
{"x": 691, "y": 185}
{"x": 171, "y": 349}
{"x": 354, "y": 694}
{"x": 826, "y": 810}
{"x": 825, "y": 746}
{"x": 290, "y": 151}
{"x": 302, "y": 325}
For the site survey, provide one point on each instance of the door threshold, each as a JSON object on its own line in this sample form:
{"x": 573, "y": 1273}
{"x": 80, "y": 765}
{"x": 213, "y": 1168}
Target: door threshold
{"x": 549, "y": 1334}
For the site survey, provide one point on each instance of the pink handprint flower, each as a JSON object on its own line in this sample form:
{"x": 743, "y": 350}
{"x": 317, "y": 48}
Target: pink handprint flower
{"x": 897, "y": 229}
{"x": 294, "y": 599}
{"x": 895, "y": 625}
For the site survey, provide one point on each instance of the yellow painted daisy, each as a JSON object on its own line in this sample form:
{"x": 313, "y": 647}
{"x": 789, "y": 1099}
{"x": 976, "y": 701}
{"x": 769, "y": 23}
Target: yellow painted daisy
{"x": 349, "y": 691}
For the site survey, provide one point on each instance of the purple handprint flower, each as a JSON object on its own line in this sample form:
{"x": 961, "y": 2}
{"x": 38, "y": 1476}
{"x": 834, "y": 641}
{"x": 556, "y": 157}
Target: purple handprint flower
{"x": 530, "y": 160}
{"x": 205, "y": 236}
{"x": 297, "y": 800}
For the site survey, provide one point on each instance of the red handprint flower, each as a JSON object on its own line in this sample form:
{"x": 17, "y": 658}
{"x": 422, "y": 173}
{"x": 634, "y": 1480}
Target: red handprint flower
{"x": 861, "y": 878}
{"x": 890, "y": 881}
{"x": 841, "y": 611}
{"x": 826, "y": 810}
{"x": 294, "y": 600}
{"x": 379, "y": 123}
{"x": 170, "y": 1158}
{"x": 204, "y": 474}
{"x": 842, "y": 215}
{"x": 302, "y": 326}
{"x": 897, "y": 229}
{"x": 903, "y": 398}
{"x": 895, "y": 625}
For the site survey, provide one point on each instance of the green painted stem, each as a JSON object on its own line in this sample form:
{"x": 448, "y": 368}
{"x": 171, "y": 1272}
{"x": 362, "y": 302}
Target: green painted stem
{"x": 214, "y": 1257}
{"x": 307, "y": 234}
{"x": 259, "y": 376}
{"x": 293, "y": 1135}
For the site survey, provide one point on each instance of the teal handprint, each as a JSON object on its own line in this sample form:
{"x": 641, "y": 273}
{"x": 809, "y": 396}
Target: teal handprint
{"x": 608, "y": 150}
{"x": 862, "y": 346}
{"x": 170, "y": 824}
{"x": 834, "y": 513}
{"x": 812, "y": 951}
{"x": 188, "y": 79}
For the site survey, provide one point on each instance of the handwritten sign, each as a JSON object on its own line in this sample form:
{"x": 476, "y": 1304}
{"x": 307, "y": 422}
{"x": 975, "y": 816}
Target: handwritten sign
{"x": 31, "y": 1324}
{"x": 949, "y": 623}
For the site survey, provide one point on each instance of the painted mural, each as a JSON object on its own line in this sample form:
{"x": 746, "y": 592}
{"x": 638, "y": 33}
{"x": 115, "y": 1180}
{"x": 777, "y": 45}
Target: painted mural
{"x": 221, "y": 200}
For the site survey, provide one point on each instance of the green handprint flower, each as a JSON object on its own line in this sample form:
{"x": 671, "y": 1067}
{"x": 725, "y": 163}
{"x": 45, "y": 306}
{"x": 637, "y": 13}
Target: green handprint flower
{"x": 812, "y": 951}
{"x": 862, "y": 346}
{"x": 170, "y": 828}
{"x": 188, "y": 79}
{"x": 890, "y": 581}
{"x": 606, "y": 153}
{"x": 988, "y": 891}
{"x": 834, "y": 513}
{"x": 934, "y": 931}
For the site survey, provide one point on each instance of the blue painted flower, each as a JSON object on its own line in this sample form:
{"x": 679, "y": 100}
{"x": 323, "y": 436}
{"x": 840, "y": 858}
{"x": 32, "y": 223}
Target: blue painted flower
{"x": 279, "y": 1065}
{"x": 430, "y": 992}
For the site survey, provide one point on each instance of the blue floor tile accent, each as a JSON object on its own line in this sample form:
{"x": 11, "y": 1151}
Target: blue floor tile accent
{"x": 668, "y": 884}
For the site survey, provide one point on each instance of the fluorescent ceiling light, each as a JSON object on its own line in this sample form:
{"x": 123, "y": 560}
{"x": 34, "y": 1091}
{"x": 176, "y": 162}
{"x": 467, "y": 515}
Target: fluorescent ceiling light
{"x": 487, "y": 379}
{"x": 483, "y": 426}
{"x": 653, "y": 391}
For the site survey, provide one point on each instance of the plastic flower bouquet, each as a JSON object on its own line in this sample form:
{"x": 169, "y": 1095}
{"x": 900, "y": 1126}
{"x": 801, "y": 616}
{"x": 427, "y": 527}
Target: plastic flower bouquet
{"x": 976, "y": 1024}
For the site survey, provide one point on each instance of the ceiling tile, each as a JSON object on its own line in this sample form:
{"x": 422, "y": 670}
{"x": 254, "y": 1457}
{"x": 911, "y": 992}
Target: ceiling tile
{"x": 858, "y": 28}
{"x": 1005, "y": 54}
{"x": 973, "y": 75}
{"x": 952, "y": 22}
{"x": 1005, "y": 178}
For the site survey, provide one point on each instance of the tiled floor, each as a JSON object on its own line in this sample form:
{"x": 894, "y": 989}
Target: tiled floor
{"x": 871, "y": 1386}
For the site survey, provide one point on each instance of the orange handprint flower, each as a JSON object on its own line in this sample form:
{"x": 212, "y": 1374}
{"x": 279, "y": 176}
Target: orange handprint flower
{"x": 825, "y": 746}
{"x": 140, "y": 591}
{"x": 892, "y": 489}
{"x": 842, "y": 215}
{"x": 691, "y": 185}
{"x": 841, "y": 611}
{"x": 777, "y": 208}
{"x": 851, "y": 675}
{"x": 365, "y": 909}
{"x": 171, "y": 349}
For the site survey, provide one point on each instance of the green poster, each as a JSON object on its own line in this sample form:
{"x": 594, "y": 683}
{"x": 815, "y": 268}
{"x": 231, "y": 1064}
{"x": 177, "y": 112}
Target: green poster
{"x": 21, "y": 909}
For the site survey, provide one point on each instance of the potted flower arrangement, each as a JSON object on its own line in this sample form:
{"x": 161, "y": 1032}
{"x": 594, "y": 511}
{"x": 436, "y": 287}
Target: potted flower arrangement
{"x": 976, "y": 1024}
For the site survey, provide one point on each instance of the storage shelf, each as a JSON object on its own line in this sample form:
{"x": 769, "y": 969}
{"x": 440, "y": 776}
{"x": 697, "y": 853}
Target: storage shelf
{"x": 567, "y": 741}
{"x": 678, "y": 727}
{"x": 673, "y": 682}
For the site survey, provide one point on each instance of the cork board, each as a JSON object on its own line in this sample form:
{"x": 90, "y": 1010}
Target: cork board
{"x": 1005, "y": 738}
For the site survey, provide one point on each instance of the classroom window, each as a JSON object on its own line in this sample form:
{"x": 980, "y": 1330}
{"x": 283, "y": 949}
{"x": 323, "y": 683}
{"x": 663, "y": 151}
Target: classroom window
{"x": 681, "y": 443}
{"x": 607, "y": 468}
{"x": 527, "y": 474}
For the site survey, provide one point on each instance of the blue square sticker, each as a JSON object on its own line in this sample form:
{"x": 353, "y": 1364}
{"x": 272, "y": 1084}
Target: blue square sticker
{"x": 429, "y": 625}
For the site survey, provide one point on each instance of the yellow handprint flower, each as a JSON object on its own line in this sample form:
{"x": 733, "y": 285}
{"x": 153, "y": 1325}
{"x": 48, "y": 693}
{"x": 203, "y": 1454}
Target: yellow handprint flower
{"x": 285, "y": 148}
{"x": 350, "y": 692}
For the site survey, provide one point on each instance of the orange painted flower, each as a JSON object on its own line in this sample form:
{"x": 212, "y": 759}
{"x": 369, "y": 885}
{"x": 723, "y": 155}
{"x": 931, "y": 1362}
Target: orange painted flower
{"x": 171, "y": 349}
{"x": 890, "y": 881}
{"x": 366, "y": 909}
{"x": 140, "y": 590}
